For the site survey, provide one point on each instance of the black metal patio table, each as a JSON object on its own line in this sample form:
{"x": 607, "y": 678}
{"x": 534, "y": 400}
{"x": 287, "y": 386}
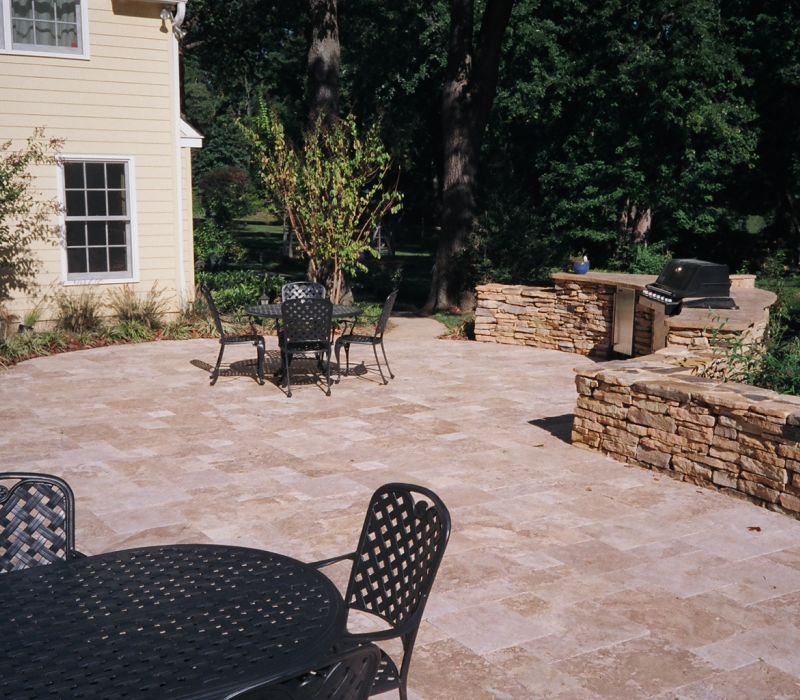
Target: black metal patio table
{"x": 181, "y": 621}
{"x": 273, "y": 311}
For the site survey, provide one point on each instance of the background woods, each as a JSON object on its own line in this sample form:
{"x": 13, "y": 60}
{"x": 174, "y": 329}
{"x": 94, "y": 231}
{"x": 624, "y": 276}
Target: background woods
{"x": 527, "y": 133}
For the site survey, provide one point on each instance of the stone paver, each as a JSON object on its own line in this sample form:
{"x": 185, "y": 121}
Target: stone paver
{"x": 568, "y": 575}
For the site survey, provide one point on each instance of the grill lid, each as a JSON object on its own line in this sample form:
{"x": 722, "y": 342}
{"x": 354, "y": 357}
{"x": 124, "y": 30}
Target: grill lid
{"x": 691, "y": 282}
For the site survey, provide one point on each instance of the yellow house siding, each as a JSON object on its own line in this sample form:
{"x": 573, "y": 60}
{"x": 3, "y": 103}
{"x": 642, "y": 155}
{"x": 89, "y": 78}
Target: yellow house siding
{"x": 120, "y": 103}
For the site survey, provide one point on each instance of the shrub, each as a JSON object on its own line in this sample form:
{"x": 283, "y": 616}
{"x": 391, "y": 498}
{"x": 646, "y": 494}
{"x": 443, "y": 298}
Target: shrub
{"x": 177, "y": 330}
{"x": 78, "y": 313}
{"x": 215, "y": 246}
{"x": 22, "y": 346}
{"x": 23, "y": 218}
{"x": 226, "y": 193}
{"x": 127, "y": 306}
{"x": 235, "y": 289}
{"x": 131, "y": 331}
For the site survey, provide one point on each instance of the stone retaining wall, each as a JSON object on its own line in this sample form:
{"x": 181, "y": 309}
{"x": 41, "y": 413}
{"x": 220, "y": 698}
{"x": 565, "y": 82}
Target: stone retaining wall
{"x": 732, "y": 437}
{"x": 569, "y": 317}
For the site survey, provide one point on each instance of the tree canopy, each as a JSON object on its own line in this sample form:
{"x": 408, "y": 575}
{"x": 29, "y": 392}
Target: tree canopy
{"x": 618, "y": 126}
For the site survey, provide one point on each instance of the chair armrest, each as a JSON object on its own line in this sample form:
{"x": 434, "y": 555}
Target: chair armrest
{"x": 325, "y": 562}
{"x": 380, "y": 635}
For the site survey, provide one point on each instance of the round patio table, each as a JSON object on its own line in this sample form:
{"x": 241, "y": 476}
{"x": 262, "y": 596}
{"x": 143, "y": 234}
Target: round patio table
{"x": 180, "y": 621}
{"x": 273, "y": 311}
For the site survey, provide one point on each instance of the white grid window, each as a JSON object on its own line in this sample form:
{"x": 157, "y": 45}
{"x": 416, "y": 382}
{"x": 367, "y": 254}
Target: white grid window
{"x": 98, "y": 221}
{"x": 46, "y": 26}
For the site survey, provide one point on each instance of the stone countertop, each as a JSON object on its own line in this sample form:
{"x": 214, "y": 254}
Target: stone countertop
{"x": 616, "y": 279}
{"x": 752, "y": 303}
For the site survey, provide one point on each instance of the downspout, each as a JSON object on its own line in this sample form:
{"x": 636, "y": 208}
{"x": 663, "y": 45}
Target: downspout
{"x": 177, "y": 21}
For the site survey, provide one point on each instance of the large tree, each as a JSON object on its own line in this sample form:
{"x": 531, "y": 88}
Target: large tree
{"x": 469, "y": 90}
{"x": 324, "y": 58}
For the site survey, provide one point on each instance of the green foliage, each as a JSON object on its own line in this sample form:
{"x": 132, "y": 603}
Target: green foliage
{"x": 641, "y": 259}
{"x": 22, "y": 346}
{"x": 131, "y": 330}
{"x": 226, "y": 193}
{"x": 24, "y": 219}
{"x": 215, "y": 245}
{"x": 130, "y": 308}
{"x": 334, "y": 191}
{"x": 79, "y": 312}
{"x": 235, "y": 289}
{"x": 458, "y": 326}
{"x": 177, "y": 330}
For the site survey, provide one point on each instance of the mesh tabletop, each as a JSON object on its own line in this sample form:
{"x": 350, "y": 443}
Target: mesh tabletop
{"x": 183, "y": 621}
{"x": 274, "y": 311}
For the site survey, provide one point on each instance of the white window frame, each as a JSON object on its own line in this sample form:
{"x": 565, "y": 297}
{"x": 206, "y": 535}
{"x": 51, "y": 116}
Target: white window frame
{"x": 6, "y": 44}
{"x": 132, "y": 276}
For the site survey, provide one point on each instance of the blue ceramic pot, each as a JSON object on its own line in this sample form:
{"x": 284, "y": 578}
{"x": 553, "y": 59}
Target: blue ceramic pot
{"x": 580, "y": 267}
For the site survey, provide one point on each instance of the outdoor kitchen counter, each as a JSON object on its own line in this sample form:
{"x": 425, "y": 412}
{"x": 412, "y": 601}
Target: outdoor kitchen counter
{"x": 752, "y": 302}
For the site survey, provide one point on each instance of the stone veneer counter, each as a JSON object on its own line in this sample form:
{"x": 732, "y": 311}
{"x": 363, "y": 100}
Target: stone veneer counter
{"x": 576, "y": 315}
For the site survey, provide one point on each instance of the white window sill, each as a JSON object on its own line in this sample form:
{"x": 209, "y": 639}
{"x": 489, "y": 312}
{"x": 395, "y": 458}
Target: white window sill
{"x": 92, "y": 281}
{"x": 45, "y": 54}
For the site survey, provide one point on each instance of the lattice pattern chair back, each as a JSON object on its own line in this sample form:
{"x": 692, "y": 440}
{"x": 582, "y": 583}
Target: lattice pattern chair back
{"x": 388, "y": 305}
{"x": 36, "y": 520}
{"x": 303, "y": 290}
{"x": 306, "y": 321}
{"x": 348, "y": 676}
{"x": 212, "y": 307}
{"x": 399, "y": 552}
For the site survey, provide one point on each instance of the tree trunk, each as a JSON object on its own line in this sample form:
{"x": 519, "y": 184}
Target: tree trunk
{"x": 469, "y": 90}
{"x": 323, "y": 58}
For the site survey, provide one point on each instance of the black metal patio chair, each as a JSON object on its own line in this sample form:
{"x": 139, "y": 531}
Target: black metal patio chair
{"x": 303, "y": 290}
{"x": 225, "y": 339}
{"x": 374, "y": 340}
{"x": 398, "y": 554}
{"x": 37, "y": 520}
{"x": 346, "y": 676}
{"x": 306, "y": 331}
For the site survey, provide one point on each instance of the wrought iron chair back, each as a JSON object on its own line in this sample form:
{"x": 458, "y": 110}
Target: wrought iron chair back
{"x": 348, "y": 676}
{"x": 212, "y": 307}
{"x": 306, "y": 321}
{"x": 306, "y": 328}
{"x": 37, "y": 520}
{"x": 388, "y": 306}
{"x": 303, "y": 290}
{"x": 401, "y": 545}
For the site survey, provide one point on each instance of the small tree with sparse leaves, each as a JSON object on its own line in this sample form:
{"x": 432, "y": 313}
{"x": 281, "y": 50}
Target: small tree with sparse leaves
{"x": 24, "y": 218}
{"x": 335, "y": 192}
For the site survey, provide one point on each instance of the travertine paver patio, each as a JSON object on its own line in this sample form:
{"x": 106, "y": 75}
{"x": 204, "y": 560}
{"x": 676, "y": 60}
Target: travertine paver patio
{"x": 568, "y": 575}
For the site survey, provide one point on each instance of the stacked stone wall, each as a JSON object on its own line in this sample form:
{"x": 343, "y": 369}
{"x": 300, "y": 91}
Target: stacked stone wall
{"x": 570, "y": 317}
{"x": 732, "y": 437}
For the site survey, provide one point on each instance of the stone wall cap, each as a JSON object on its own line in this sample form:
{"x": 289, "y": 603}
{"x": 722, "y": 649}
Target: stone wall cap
{"x": 609, "y": 279}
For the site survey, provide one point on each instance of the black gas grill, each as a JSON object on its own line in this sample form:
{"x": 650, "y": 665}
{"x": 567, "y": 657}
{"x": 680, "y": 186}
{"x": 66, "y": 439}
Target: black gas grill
{"x": 692, "y": 284}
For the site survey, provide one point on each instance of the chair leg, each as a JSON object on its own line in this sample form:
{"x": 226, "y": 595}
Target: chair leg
{"x": 261, "y": 350}
{"x": 286, "y": 378}
{"x": 328, "y": 373}
{"x": 378, "y": 362}
{"x": 383, "y": 350}
{"x": 347, "y": 358}
{"x": 215, "y": 371}
{"x": 338, "y": 349}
